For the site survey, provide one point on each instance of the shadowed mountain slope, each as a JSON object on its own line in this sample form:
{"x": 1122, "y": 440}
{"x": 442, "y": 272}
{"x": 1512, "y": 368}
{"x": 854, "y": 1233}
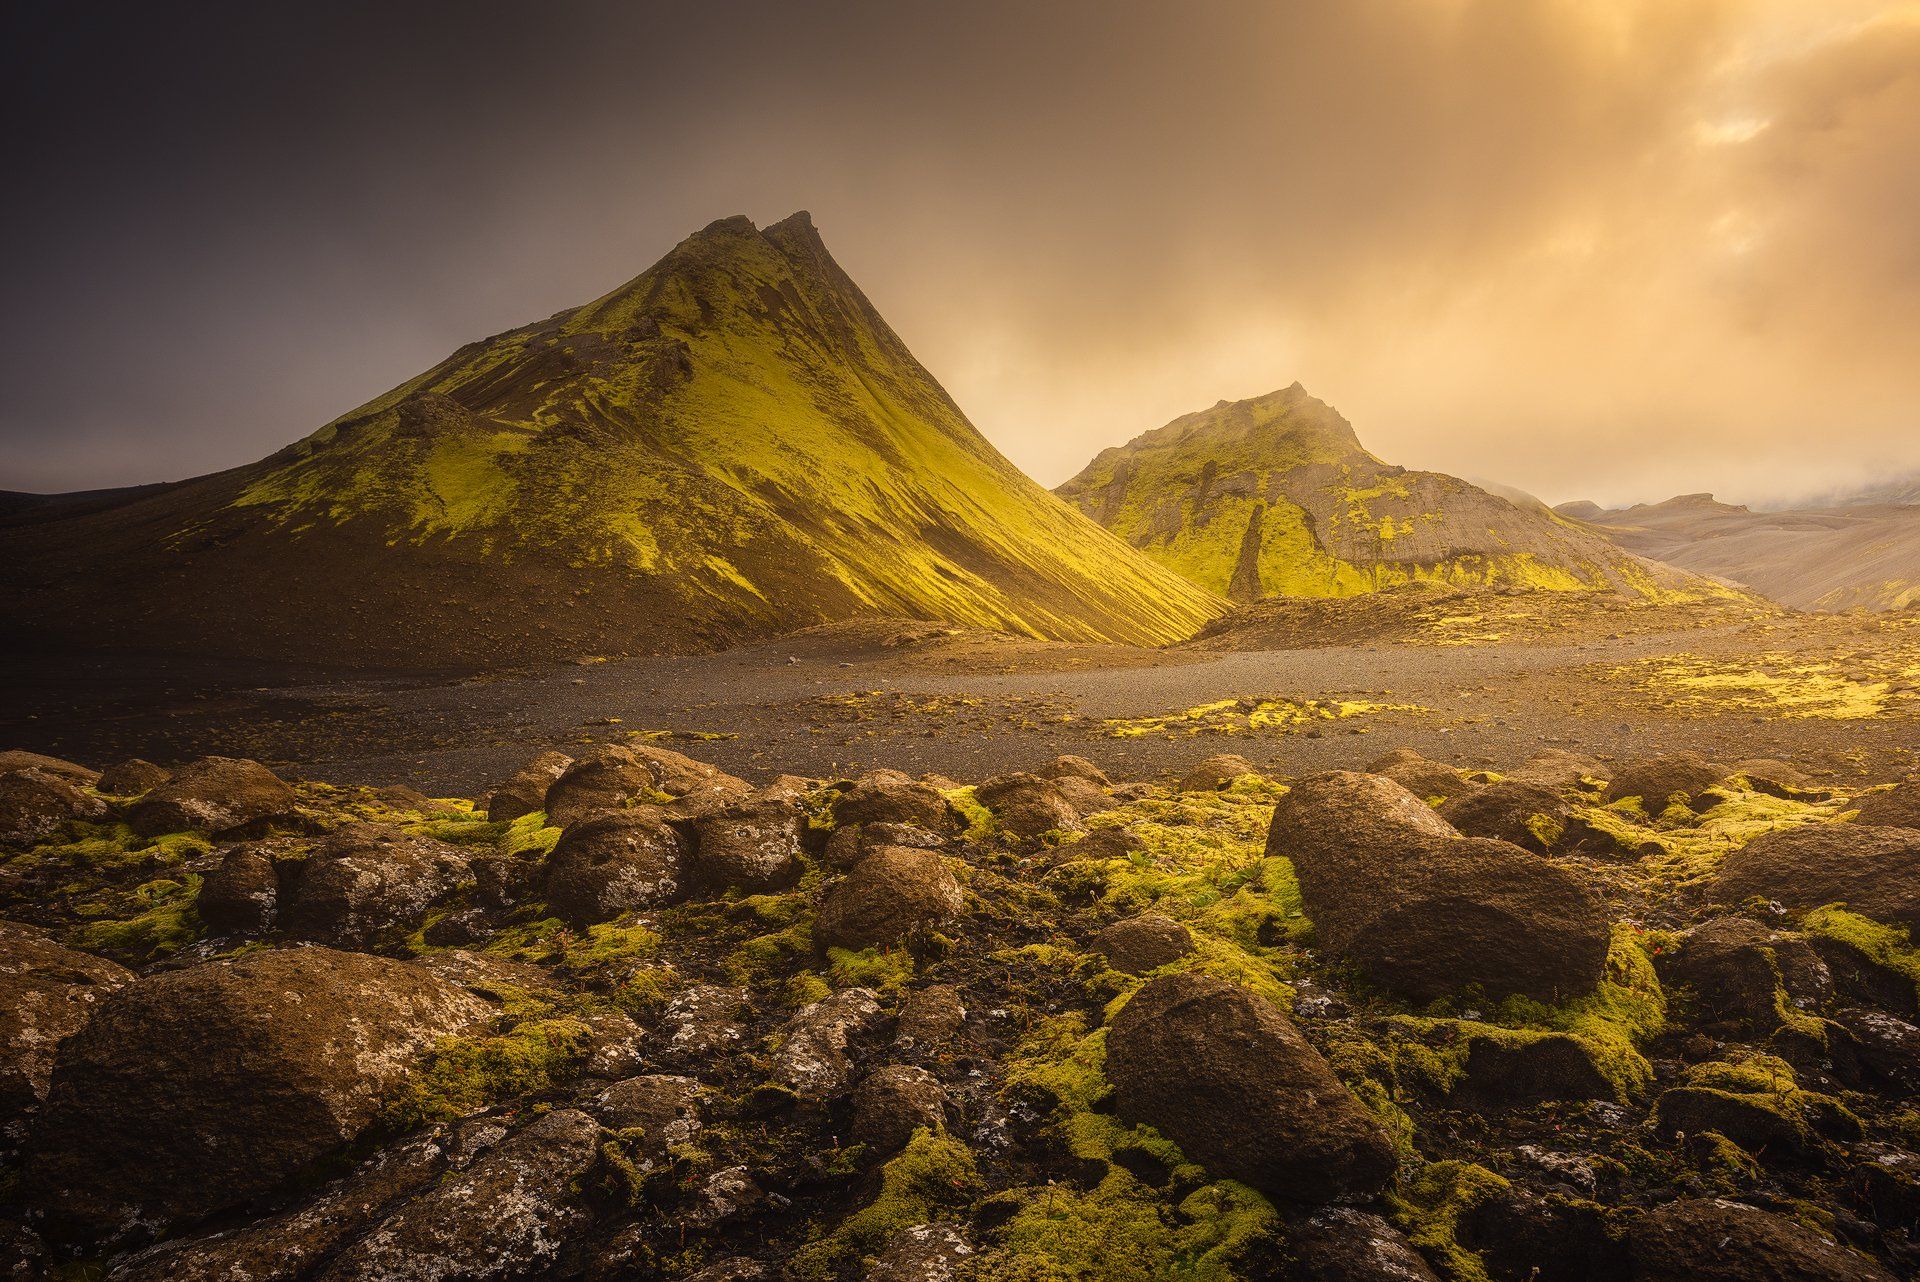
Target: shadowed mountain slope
{"x": 1821, "y": 559}
{"x": 1275, "y": 496}
{"x": 730, "y": 446}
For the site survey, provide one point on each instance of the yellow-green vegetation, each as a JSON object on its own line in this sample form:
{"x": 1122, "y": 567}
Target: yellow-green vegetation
{"x": 934, "y": 1173}
{"x": 1249, "y": 715}
{"x": 1686, "y": 849}
{"x": 1429, "y": 1209}
{"x": 1768, "y": 1082}
{"x": 109, "y": 849}
{"x": 1275, "y": 496}
{"x": 1623, "y": 1013}
{"x": 740, "y": 428}
{"x": 888, "y": 970}
{"x": 165, "y": 925}
{"x": 1780, "y": 685}
{"x": 1889, "y": 947}
{"x": 464, "y": 1075}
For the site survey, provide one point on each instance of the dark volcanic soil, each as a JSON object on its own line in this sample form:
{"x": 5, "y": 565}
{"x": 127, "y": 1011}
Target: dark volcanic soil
{"x": 921, "y": 698}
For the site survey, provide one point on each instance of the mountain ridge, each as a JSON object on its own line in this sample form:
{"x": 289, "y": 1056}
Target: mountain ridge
{"x": 1276, "y": 496}
{"x": 730, "y": 445}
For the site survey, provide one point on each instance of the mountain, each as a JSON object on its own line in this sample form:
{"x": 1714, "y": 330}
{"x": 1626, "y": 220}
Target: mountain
{"x": 730, "y": 446}
{"x": 1275, "y": 496}
{"x": 1813, "y": 559}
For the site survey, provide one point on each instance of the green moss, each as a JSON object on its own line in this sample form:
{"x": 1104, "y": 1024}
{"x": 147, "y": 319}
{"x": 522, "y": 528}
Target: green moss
{"x": 981, "y": 825}
{"x": 168, "y": 923}
{"x": 1429, "y": 1209}
{"x": 114, "y": 848}
{"x": 886, "y": 970}
{"x": 1889, "y": 947}
{"x": 932, "y": 1174}
{"x": 465, "y": 1075}
{"x": 1687, "y": 849}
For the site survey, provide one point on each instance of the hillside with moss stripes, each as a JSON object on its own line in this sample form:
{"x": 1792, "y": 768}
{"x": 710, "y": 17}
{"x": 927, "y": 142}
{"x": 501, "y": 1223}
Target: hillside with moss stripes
{"x": 733, "y": 445}
{"x": 1275, "y": 496}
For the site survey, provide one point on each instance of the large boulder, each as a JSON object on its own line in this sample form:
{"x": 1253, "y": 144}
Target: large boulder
{"x": 1660, "y": 782}
{"x": 518, "y": 1212}
{"x": 1897, "y": 807}
{"x": 1529, "y": 815}
{"x": 1216, "y": 772}
{"x": 1561, "y": 770}
{"x": 1424, "y": 911}
{"x": 212, "y": 794}
{"x": 1873, "y": 871}
{"x": 1341, "y": 1244}
{"x": 815, "y": 1055}
{"x": 1068, "y": 766}
{"x": 1137, "y": 945}
{"x": 241, "y": 894}
{"x": 47, "y": 993}
{"x": 849, "y": 845}
{"x": 16, "y": 759}
{"x": 132, "y": 777}
{"x": 887, "y": 796}
{"x": 1223, "y": 1073}
{"x": 615, "y": 863}
{"x": 893, "y": 890}
{"x": 1713, "y": 1240}
{"x": 617, "y": 777}
{"x": 367, "y": 880}
{"x": 198, "y": 1089}
{"x": 894, "y": 1101}
{"x": 1421, "y": 775}
{"x": 34, "y": 804}
{"x": 526, "y": 791}
{"x": 1740, "y": 979}
{"x": 753, "y": 845}
{"x": 1026, "y": 805}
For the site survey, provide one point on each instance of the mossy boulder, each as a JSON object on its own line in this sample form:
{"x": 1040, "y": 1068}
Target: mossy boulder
{"x": 59, "y": 767}
{"x": 849, "y": 845}
{"x": 1714, "y": 1240}
{"x": 890, "y": 893}
{"x": 1561, "y": 770}
{"x": 1873, "y": 871}
{"x": 194, "y": 1090}
{"x": 1216, "y": 772}
{"x": 617, "y": 777}
{"x": 1421, "y": 775}
{"x": 1425, "y": 912}
{"x": 47, "y": 993}
{"x": 615, "y": 863}
{"x": 923, "y": 1253}
{"x": 1740, "y": 979}
{"x": 753, "y": 845}
{"x": 1529, "y": 1067}
{"x": 815, "y": 1051}
{"x": 887, "y": 796}
{"x": 241, "y": 894}
{"x": 1886, "y": 1048}
{"x": 365, "y": 881}
{"x": 525, "y": 791}
{"x": 1896, "y": 807}
{"x": 1344, "y": 1244}
{"x": 132, "y": 777}
{"x": 1223, "y": 1073}
{"x": 1529, "y": 815}
{"x": 36, "y": 804}
{"x": 213, "y": 795}
{"x": 664, "y": 1109}
{"x": 1026, "y": 805}
{"x": 1069, "y": 766}
{"x": 517, "y": 1212}
{"x": 1660, "y": 782}
{"x": 1137, "y": 945}
{"x": 892, "y": 1102}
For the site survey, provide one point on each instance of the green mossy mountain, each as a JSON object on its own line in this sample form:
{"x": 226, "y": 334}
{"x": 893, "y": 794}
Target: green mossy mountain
{"x": 1275, "y": 496}
{"x": 731, "y": 446}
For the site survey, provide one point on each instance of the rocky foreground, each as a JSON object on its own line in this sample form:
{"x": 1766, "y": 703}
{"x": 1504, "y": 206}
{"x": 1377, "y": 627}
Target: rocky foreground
{"x": 631, "y": 1017}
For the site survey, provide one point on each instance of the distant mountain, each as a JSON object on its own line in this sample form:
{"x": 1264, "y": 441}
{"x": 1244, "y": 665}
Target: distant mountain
{"x": 1275, "y": 496}
{"x": 1814, "y": 559}
{"x": 730, "y": 446}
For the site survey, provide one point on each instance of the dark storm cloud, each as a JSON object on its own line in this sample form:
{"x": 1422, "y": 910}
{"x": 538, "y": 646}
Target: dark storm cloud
{"x": 1623, "y": 247}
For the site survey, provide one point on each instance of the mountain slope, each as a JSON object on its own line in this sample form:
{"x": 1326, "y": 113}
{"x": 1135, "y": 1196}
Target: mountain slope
{"x": 1275, "y": 496}
{"x": 732, "y": 445}
{"x": 1819, "y": 559}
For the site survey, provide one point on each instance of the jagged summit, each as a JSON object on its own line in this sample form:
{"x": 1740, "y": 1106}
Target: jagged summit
{"x": 1276, "y": 496}
{"x": 732, "y": 444}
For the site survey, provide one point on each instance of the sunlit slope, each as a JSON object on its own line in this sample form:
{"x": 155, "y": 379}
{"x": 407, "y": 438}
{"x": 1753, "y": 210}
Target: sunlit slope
{"x": 1275, "y": 496}
{"x": 732, "y": 445}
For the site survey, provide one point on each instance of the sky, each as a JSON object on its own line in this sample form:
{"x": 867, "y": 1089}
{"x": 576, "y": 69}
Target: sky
{"x": 1606, "y": 249}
